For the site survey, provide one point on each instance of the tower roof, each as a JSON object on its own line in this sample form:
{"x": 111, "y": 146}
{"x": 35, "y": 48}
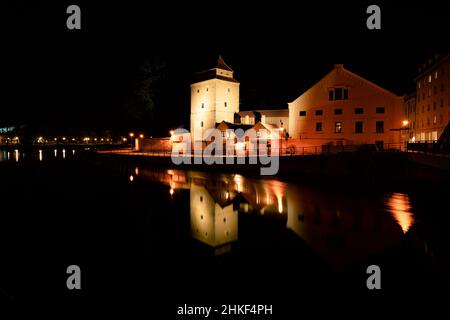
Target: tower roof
{"x": 222, "y": 65}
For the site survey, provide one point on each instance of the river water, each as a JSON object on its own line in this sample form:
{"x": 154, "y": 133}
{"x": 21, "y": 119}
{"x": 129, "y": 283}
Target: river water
{"x": 160, "y": 238}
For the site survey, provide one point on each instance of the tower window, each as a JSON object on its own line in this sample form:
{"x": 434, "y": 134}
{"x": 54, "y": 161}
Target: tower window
{"x": 206, "y": 89}
{"x": 201, "y": 124}
{"x": 198, "y": 90}
{"x": 203, "y": 105}
{"x": 338, "y": 94}
{"x": 225, "y": 104}
{"x": 302, "y": 113}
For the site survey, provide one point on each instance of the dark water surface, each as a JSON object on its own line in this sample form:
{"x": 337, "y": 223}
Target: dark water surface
{"x": 153, "y": 239}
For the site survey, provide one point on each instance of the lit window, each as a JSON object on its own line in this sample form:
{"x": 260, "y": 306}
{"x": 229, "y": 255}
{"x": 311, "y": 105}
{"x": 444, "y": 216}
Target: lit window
{"x": 419, "y": 84}
{"x": 319, "y": 126}
{"x": 302, "y": 113}
{"x": 434, "y": 119}
{"x": 319, "y": 112}
{"x": 338, "y": 127}
{"x": 379, "y": 110}
{"x": 435, "y": 75}
{"x": 429, "y": 78}
{"x": 379, "y": 126}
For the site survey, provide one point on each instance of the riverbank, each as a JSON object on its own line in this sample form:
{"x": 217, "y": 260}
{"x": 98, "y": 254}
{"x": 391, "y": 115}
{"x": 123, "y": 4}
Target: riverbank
{"x": 381, "y": 167}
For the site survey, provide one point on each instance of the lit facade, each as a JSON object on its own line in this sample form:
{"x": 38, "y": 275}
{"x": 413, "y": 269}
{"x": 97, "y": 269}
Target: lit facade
{"x": 432, "y": 113}
{"x": 346, "y": 109}
{"x": 214, "y": 98}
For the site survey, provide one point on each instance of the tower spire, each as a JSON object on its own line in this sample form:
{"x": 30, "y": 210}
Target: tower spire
{"x": 222, "y": 65}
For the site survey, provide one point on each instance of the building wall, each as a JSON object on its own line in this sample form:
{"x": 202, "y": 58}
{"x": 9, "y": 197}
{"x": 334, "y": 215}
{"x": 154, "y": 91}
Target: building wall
{"x": 212, "y": 101}
{"x": 432, "y": 112}
{"x": 361, "y": 94}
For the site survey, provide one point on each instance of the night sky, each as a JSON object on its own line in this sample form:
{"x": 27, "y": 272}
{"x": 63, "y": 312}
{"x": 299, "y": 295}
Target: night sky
{"x": 55, "y": 79}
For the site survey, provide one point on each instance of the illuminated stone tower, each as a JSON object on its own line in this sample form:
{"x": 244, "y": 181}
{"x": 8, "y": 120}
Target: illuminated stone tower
{"x": 214, "y": 98}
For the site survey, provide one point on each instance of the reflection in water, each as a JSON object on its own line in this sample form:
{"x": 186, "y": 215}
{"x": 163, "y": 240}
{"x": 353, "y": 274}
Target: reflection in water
{"x": 340, "y": 227}
{"x": 399, "y": 207}
{"x": 34, "y": 154}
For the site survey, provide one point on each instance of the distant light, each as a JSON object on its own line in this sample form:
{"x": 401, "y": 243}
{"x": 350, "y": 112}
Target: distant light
{"x": 131, "y": 134}
{"x": 171, "y": 191}
{"x": 131, "y": 178}
{"x": 95, "y": 139}
{"x": 405, "y": 123}
{"x": 40, "y": 155}
{"x": 64, "y": 138}
{"x": 136, "y": 171}
{"x": 171, "y": 132}
{"x": 73, "y": 139}
{"x": 141, "y": 136}
{"x": 55, "y": 139}
{"x": 124, "y": 139}
{"x": 101, "y": 139}
{"x": 64, "y": 153}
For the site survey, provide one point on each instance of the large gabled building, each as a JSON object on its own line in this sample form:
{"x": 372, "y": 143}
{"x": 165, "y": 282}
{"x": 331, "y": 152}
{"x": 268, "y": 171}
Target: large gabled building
{"x": 346, "y": 109}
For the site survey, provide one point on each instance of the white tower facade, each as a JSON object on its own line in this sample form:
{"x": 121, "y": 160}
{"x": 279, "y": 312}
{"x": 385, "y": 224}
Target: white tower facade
{"x": 214, "y": 98}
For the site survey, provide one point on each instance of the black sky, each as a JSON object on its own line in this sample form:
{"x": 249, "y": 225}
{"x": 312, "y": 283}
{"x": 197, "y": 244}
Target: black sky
{"x": 58, "y": 78}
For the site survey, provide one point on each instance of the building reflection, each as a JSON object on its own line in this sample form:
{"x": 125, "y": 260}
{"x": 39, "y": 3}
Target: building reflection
{"x": 340, "y": 227}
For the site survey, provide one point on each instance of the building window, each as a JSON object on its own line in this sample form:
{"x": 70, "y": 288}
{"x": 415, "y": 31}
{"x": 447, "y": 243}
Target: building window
{"x": 225, "y": 104}
{"x": 358, "y": 127}
{"x": 228, "y": 89}
{"x": 429, "y": 92}
{"x": 206, "y": 89}
{"x": 434, "y": 119}
{"x": 419, "y": 84}
{"x": 379, "y": 126}
{"x": 201, "y": 124}
{"x": 434, "y": 105}
{"x": 337, "y": 111}
{"x": 319, "y": 112}
{"x": 302, "y": 113}
{"x": 429, "y": 78}
{"x": 435, "y": 74}
{"x": 338, "y": 94}
{"x": 203, "y": 105}
{"x": 319, "y": 126}
{"x": 338, "y": 127}
{"x": 435, "y": 90}
{"x": 359, "y": 110}
{"x": 379, "y": 110}
{"x": 198, "y": 90}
